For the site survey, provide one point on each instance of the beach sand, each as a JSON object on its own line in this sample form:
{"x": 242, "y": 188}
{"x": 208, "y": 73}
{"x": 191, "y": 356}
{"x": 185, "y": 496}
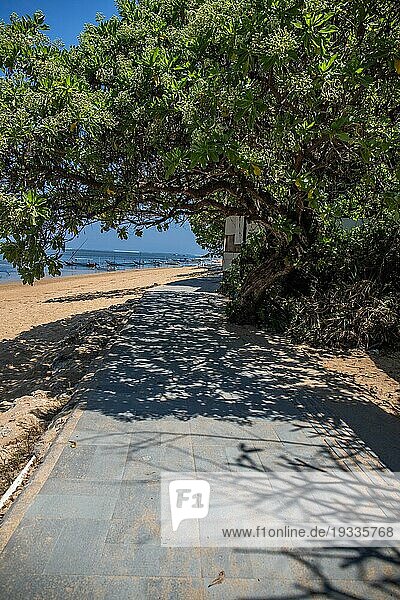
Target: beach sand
{"x": 23, "y": 306}
{"x": 52, "y": 335}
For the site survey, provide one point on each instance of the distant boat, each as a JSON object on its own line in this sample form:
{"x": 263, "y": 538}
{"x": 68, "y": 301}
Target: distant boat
{"x": 113, "y": 263}
{"x": 74, "y": 263}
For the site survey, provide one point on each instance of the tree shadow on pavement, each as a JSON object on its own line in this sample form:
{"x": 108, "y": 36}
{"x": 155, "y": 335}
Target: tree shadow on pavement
{"x": 261, "y": 403}
{"x": 339, "y": 573}
{"x": 177, "y": 357}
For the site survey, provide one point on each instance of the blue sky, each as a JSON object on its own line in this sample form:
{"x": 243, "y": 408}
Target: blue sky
{"x": 66, "y": 19}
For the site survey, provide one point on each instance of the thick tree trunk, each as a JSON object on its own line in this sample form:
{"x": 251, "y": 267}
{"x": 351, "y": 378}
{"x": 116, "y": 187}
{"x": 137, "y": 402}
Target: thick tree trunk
{"x": 276, "y": 266}
{"x": 254, "y": 286}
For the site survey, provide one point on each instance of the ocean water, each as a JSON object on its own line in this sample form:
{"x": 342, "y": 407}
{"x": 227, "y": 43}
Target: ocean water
{"x": 82, "y": 262}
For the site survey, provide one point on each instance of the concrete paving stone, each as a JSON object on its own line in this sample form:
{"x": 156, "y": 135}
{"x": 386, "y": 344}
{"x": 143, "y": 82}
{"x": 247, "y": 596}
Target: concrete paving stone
{"x": 240, "y": 434}
{"x": 140, "y": 440}
{"x": 122, "y": 412}
{"x": 211, "y": 459}
{"x": 253, "y": 588}
{"x": 237, "y": 563}
{"x": 206, "y": 438}
{"x": 174, "y": 425}
{"x": 244, "y": 458}
{"x": 295, "y": 431}
{"x": 305, "y": 449}
{"x": 28, "y": 550}
{"x": 160, "y": 407}
{"x": 352, "y": 589}
{"x": 132, "y": 588}
{"x": 324, "y": 455}
{"x": 78, "y": 548}
{"x": 273, "y": 457}
{"x": 143, "y": 467}
{"x": 80, "y": 487}
{"x": 145, "y": 530}
{"x": 284, "y": 457}
{"x": 148, "y": 561}
{"x": 262, "y": 446}
{"x": 73, "y": 463}
{"x": 258, "y": 431}
{"x": 95, "y": 463}
{"x": 364, "y": 564}
{"x": 287, "y": 565}
{"x": 19, "y": 584}
{"x": 213, "y": 408}
{"x": 139, "y": 424}
{"x": 96, "y": 437}
{"x": 62, "y": 587}
{"x": 281, "y": 589}
{"x": 155, "y": 459}
{"x": 101, "y": 421}
{"x": 87, "y": 390}
{"x": 137, "y": 499}
{"x": 61, "y": 506}
{"x": 178, "y": 562}
{"x": 99, "y": 397}
{"x": 180, "y": 588}
{"x": 99, "y": 388}
{"x": 182, "y": 441}
{"x": 216, "y": 428}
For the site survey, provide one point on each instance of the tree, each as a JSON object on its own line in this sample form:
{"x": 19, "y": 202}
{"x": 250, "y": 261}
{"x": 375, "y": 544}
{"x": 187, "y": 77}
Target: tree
{"x": 286, "y": 112}
{"x": 209, "y": 228}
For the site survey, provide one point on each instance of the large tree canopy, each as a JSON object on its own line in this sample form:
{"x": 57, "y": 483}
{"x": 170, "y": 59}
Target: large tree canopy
{"x": 285, "y": 111}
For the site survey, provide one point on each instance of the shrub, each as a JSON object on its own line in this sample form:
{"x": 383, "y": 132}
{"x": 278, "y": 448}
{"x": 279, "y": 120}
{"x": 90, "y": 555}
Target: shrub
{"x": 346, "y": 293}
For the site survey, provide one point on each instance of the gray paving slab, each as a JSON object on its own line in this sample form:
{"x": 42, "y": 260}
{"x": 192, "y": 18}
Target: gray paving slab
{"x": 79, "y": 487}
{"x": 77, "y": 549}
{"x": 211, "y": 459}
{"x": 30, "y": 548}
{"x": 181, "y": 390}
{"x": 72, "y": 505}
{"x": 44, "y": 587}
{"x": 143, "y": 531}
{"x": 138, "y": 497}
{"x": 148, "y": 561}
{"x": 96, "y": 462}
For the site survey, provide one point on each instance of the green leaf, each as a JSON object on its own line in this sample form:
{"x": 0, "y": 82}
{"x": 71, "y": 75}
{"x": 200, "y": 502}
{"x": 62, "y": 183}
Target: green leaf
{"x": 342, "y": 135}
{"x": 326, "y": 65}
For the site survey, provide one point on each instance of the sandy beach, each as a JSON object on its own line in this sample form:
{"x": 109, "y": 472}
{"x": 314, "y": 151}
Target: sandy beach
{"x": 51, "y": 336}
{"x": 23, "y": 306}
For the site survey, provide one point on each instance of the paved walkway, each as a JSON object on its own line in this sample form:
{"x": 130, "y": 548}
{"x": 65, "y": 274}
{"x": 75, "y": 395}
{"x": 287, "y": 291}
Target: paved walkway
{"x": 181, "y": 390}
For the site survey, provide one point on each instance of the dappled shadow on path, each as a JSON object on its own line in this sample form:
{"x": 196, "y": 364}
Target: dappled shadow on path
{"x": 259, "y": 403}
{"x": 338, "y": 573}
{"x": 179, "y": 358}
